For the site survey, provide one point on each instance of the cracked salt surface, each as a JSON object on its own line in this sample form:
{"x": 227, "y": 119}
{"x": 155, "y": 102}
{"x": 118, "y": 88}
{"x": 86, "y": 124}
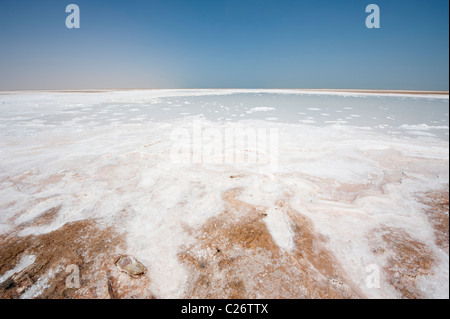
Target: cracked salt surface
{"x": 349, "y": 177}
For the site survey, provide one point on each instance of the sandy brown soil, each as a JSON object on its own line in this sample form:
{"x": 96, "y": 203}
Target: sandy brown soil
{"x": 234, "y": 256}
{"x": 245, "y": 262}
{"x": 92, "y": 249}
{"x": 437, "y": 212}
{"x": 408, "y": 258}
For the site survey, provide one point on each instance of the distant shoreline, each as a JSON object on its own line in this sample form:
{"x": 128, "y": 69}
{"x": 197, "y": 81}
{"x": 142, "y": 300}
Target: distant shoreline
{"x": 189, "y": 92}
{"x": 378, "y": 91}
{"x": 364, "y": 91}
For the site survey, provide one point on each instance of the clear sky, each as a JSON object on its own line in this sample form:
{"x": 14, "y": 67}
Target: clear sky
{"x": 224, "y": 44}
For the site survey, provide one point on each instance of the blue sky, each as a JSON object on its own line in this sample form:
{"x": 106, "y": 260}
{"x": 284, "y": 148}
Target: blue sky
{"x": 223, "y": 44}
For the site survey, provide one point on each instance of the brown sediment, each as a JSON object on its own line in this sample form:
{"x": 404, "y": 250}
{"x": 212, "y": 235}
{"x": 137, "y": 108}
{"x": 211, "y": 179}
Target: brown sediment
{"x": 437, "y": 212}
{"x": 45, "y": 218}
{"x": 91, "y": 248}
{"x": 343, "y": 192}
{"x": 407, "y": 259}
{"x": 236, "y": 257}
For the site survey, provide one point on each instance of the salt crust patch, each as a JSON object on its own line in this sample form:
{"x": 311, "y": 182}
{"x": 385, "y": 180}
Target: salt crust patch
{"x": 278, "y": 224}
{"x": 424, "y": 127}
{"x": 261, "y": 109}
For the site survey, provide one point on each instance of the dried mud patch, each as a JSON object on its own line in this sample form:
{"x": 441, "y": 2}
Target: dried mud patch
{"x": 236, "y": 257}
{"x": 92, "y": 249}
{"x": 437, "y": 212}
{"x": 406, "y": 258}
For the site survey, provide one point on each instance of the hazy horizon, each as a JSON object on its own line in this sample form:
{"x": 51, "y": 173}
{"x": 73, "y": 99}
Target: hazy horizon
{"x": 230, "y": 88}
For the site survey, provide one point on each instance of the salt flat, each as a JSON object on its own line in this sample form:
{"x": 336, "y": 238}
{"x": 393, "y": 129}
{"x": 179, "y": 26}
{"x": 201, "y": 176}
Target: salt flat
{"x": 359, "y": 181}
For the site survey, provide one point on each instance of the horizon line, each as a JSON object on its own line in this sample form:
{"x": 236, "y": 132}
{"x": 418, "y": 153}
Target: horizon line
{"x": 445, "y": 92}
